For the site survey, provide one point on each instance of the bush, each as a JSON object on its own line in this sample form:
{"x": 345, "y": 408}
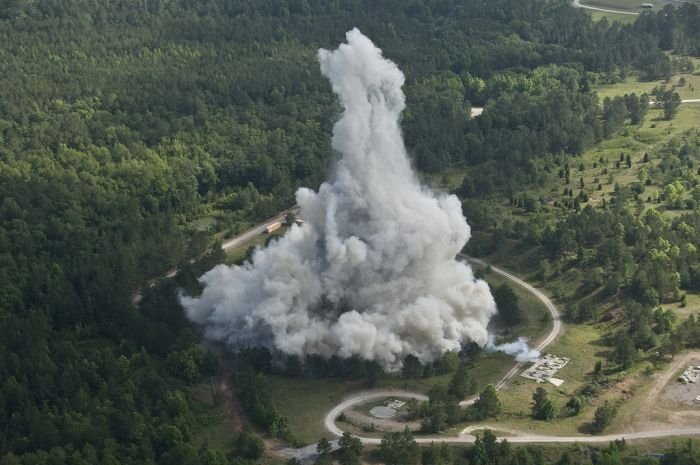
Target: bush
{"x": 604, "y": 416}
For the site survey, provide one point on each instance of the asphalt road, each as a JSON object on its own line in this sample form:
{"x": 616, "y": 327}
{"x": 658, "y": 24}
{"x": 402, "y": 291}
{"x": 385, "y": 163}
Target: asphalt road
{"x": 307, "y": 454}
{"x": 556, "y": 317}
{"x": 577, "y": 4}
{"x": 329, "y": 420}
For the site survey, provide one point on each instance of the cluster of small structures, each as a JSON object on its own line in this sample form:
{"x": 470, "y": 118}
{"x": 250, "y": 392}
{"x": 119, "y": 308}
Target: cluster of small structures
{"x": 544, "y": 368}
{"x": 395, "y": 404}
{"x": 388, "y": 410}
{"x": 691, "y": 375}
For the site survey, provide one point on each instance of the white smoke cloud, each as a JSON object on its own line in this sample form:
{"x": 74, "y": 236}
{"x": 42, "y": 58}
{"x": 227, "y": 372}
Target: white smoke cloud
{"x": 518, "y": 349}
{"x": 372, "y": 273}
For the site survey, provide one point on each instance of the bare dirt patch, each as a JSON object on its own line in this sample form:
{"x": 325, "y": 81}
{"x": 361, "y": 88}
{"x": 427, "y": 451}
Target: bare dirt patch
{"x": 684, "y": 393}
{"x": 668, "y": 402}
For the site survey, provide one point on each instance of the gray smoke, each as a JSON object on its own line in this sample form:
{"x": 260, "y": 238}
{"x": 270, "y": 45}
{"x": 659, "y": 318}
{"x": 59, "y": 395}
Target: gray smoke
{"x": 518, "y": 349}
{"x": 372, "y": 273}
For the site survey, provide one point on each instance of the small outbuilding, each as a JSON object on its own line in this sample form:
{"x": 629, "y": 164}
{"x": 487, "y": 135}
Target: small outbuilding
{"x": 270, "y": 228}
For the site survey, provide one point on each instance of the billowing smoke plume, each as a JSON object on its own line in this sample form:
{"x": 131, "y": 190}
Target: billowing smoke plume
{"x": 518, "y": 349}
{"x": 372, "y": 273}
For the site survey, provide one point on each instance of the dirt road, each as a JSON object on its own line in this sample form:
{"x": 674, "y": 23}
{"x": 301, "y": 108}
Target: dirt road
{"x": 257, "y": 230}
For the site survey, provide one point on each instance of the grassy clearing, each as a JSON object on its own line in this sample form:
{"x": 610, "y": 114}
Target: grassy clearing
{"x": 305, "y": 402}
{"x": 580, "y": 344}
{"x": 692, "y": 306}
{"x": 619, "y": 17}
{"x": 621, "y": 5}
{"x": 633, "y": 84}
{"x": 632, "y": 6}
{"x": 600, "y": 177}
{"x": 213, "y": 427}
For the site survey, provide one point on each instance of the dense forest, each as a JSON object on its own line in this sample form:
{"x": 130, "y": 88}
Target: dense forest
{"x": 121, "y": 123}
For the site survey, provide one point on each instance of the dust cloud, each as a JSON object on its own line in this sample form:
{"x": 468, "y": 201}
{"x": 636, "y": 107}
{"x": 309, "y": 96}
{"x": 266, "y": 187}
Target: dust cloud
{"x": 372, "y": 273}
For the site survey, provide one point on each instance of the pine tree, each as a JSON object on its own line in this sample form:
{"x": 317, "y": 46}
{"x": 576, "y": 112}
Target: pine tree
{"x": 542, "y": 408}
{"x": 488, "y": 404}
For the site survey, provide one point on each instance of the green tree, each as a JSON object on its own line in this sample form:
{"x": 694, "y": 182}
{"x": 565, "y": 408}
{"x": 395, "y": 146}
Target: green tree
{"x": 574, "y": 405}
{"x": 323, "y": 451}
{"x": 248, "y": 445}
{"x": 350, "y": 449}
{"x": 411, "y": 367}
{"x": 664, "y": 320}
{"x": 542, "y": 408}
{"x": 509, "y": 310}
{"x": 399, "y": 448}
{"x": 488, "y": 405}
{"x": 603, "y": 416}
{"x": 625, "y": 353}
{"x": 669, "y": 102}
{"x": 460, "y": 384}
{"x": 437, "y": 454}
{"x": 449, "y": 361}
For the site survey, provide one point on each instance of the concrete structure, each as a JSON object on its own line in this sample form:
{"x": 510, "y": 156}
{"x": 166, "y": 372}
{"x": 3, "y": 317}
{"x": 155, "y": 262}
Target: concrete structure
{"x": 691, "y": 375}
{"x": 395, "y": 404}
{"x": 383, "y": 412}
{"x": 388, "y": 410}
{"x": 544, "y": 368}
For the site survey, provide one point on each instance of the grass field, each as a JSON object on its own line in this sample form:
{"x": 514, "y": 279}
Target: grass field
{"x": 634, "y": 141}
{"x": 622, "y": 5}
{"x": 305, "y": 402}
{"x": 633, "y": 84}
{"x": 213, "y": 426}
{"x": 580, "y": 344}
{"x": 621, "y": 18}
{"x": 631, "y": 6}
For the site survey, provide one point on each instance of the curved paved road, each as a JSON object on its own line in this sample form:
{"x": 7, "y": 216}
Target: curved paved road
{"x": 577, "y": 4}
{"x": 307, "y": 453}
{"x": 329, "y": 420}
{"x": 556, "y": 317}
